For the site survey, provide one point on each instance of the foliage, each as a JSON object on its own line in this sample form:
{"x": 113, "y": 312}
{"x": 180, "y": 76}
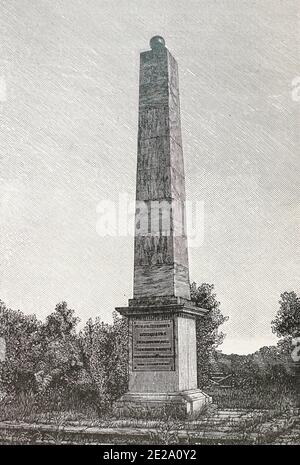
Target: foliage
{"x": 268, "y": 365}
{"x": 207, "y": 328}
{"x": 61, "y": 324}
{"x": 52, "y": 364}
{"x": 104, "y": 354}
{"x": 22, "y": 334}
{"x": 287, "y": 326}
{"x": 287, "y": 321}
{"x": 260, "y": 396}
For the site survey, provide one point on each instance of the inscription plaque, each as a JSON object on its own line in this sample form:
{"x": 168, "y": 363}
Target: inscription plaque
{"x": 153, "y": 345}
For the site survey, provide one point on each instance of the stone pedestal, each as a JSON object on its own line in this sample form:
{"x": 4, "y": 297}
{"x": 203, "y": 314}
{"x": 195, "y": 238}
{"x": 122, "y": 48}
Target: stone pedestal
{"x": 155, "y": 405}
{"x": 162, "y": 358}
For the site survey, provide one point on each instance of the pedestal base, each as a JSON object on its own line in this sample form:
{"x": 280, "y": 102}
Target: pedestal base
{"x": 151, "y": 405}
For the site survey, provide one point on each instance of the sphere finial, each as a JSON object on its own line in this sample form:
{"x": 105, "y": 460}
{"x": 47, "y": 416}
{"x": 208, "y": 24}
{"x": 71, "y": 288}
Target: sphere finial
{"x": 157, "y": 42}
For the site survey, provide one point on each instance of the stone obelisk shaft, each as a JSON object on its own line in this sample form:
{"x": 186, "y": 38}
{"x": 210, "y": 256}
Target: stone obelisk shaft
{"x": 161, "y": 257}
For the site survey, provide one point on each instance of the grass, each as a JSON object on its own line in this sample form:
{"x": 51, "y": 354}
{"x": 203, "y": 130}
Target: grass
{"x": 256, "y": 397}
{"x": 29, "y": 408}
{"x": 259, "y": 427}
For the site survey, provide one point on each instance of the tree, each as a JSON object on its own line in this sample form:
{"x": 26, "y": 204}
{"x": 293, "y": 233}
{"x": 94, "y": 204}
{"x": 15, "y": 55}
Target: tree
{"x": 105, "y": 358}
{"x": 61, "y": 323}
{"x": 60, "y": 368}
{"x": 23, "y": 349}
{"x": 60, "y": 365}
{"x": 287, "y": 326}
{"x": 39, "y": 356}
{"x": 287, "y": 321}
{"x": 207, "y": 328}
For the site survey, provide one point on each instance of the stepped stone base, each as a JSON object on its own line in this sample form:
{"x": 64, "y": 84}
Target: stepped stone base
{"x": 177, "y": 404}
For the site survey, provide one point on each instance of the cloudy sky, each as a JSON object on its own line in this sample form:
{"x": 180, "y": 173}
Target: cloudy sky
{"x": 68, "y": 127}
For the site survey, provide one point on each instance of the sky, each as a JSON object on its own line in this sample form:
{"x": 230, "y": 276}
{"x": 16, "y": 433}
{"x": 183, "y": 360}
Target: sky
{"x": 68, "y": 131}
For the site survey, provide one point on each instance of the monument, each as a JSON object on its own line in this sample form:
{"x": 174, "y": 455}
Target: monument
{"x": 161, "y": 316}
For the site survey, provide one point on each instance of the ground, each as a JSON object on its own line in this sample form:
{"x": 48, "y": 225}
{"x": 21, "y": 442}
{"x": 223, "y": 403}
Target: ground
{"x": 233, "y": 424}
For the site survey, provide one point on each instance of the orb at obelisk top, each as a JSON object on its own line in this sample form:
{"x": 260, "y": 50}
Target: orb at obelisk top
{"x": 161, "y": 257}
{"x": 162, "y": 326}
{"x": 156, "y": 42}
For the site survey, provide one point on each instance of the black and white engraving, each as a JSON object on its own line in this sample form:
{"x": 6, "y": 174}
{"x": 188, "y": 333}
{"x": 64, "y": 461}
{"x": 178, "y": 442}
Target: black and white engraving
{"x": 149, "y": 213}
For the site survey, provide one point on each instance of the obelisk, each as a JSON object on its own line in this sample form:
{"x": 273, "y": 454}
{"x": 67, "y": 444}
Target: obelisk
{"x": 161, "y": 317}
